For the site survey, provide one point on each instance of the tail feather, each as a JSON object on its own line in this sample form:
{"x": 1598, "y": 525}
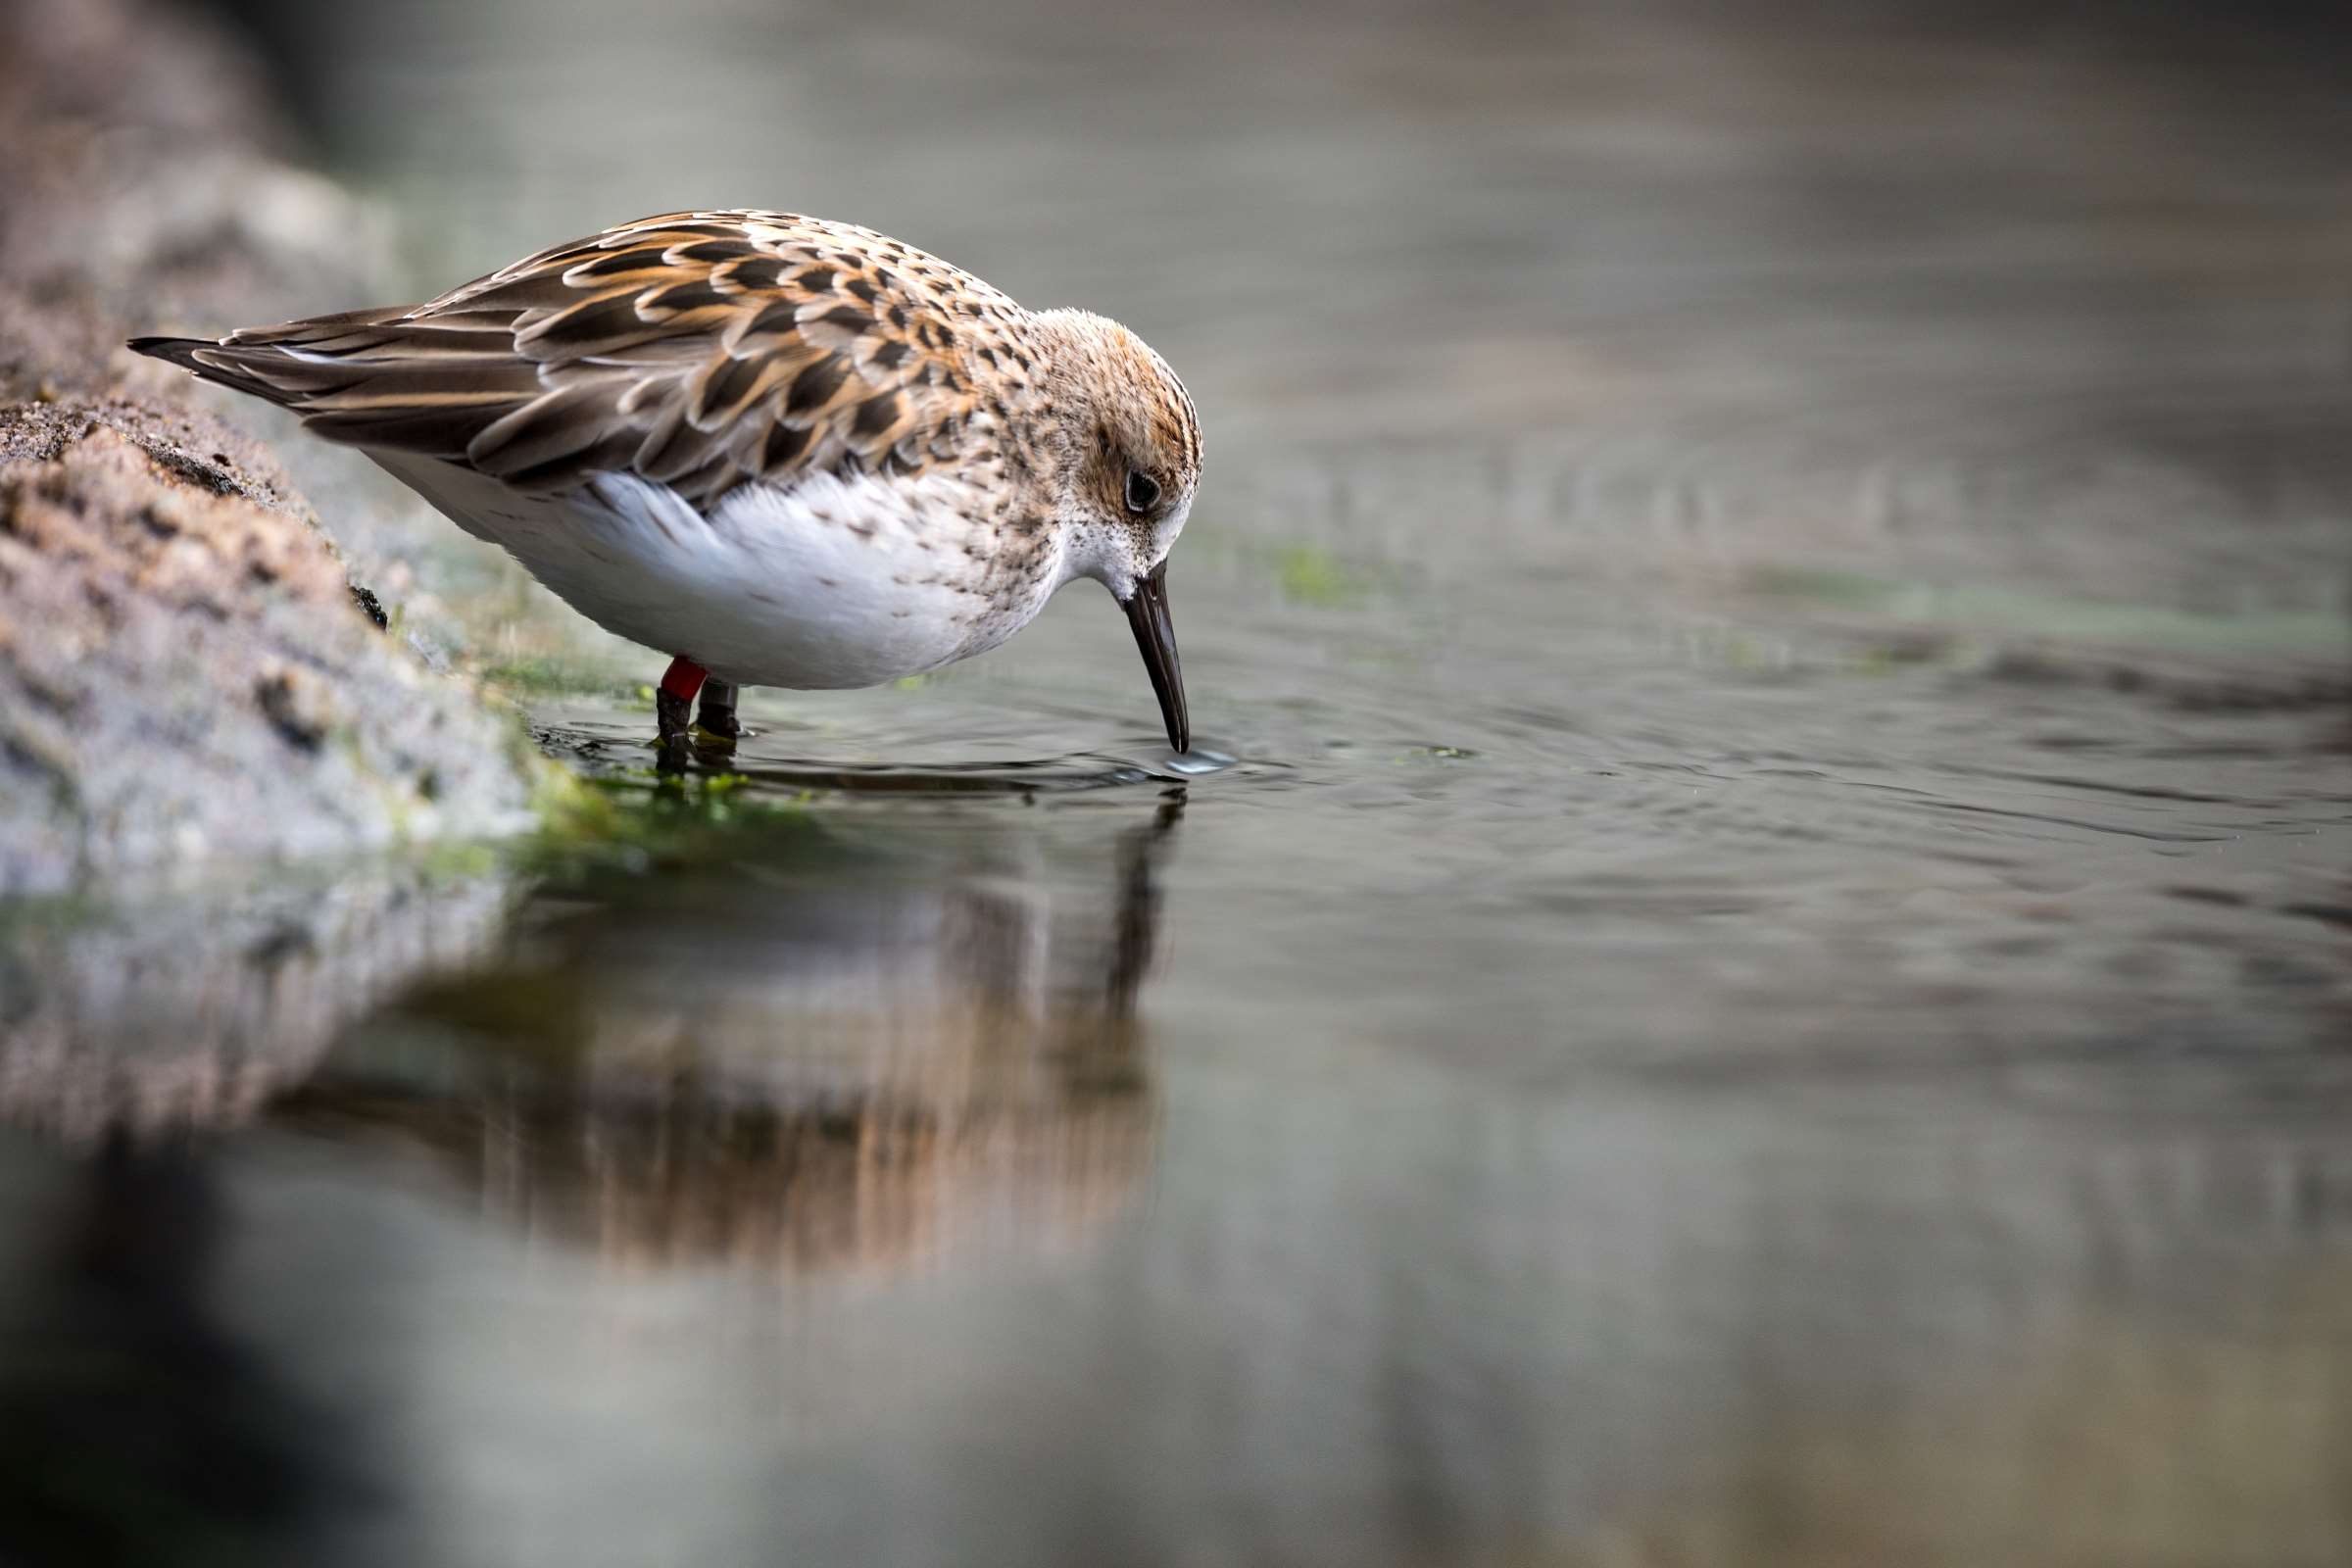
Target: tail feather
{"x": 178, "y": 350}
{"x": 205, "y": 359}
{"x": 369, "y": 378}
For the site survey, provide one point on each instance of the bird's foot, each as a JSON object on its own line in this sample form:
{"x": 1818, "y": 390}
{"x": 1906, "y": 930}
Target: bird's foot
{"x": 718, "y": 717}
{"x": 674, "y": 732}
{"x": 673, "y": 716}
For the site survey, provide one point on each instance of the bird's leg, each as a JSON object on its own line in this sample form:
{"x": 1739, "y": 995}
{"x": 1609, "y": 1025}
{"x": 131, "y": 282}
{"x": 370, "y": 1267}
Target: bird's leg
{"x": 674, "y": 708}
{"x": 718, "y": 709}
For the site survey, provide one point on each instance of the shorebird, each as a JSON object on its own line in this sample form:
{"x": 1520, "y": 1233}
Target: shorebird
{"x": 783, "y": 451}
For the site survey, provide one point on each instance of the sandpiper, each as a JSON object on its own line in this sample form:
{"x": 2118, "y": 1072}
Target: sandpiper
{"x": 783, "y": 451}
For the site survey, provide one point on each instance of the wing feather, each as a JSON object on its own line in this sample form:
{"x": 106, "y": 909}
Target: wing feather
{"x": 703, "y": 350}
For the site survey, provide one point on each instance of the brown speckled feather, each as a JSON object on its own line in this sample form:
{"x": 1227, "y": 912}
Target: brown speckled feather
{"x": 701, "y": 350}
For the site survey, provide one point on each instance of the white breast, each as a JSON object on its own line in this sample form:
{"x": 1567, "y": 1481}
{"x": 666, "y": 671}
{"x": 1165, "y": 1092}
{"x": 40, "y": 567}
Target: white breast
{"x": 830, "y": 582}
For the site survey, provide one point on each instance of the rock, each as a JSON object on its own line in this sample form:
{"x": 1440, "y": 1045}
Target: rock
{"x": 184, "y": 669}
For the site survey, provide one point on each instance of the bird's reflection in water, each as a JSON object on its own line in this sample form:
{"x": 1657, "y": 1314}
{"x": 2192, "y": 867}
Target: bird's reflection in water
{"x": 866, "y": 1046}
{"x": 863, "y": 1046}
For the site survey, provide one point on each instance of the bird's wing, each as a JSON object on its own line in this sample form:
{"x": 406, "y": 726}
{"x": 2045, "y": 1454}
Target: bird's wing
{"x": 699, "y": 350}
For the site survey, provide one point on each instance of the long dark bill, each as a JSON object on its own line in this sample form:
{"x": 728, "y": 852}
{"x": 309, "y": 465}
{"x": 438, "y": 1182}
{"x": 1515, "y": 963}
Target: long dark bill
{"x": 1147, "y": 613}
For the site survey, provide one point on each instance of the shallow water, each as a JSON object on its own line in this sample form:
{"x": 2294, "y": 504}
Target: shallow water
{"x": 1761, "y": 976}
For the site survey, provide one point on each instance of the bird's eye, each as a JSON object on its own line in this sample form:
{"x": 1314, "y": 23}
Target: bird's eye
{"x": 1143, "y": 491}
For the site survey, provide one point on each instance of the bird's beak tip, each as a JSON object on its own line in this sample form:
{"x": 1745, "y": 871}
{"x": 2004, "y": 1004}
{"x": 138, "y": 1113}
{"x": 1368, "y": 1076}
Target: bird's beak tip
{"x": 1147, "y": 610}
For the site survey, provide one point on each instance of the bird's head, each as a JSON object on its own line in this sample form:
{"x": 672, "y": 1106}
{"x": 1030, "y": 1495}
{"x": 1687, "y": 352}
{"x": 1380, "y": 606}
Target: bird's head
{"x": 1127, "y": 464}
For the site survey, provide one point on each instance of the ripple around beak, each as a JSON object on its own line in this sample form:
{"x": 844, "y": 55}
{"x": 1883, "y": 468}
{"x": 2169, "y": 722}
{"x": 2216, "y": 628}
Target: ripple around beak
{"x": 1194, "y": 763}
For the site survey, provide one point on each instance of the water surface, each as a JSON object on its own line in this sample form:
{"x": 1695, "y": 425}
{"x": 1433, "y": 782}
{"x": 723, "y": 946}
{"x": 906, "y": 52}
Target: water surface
{"x": 1762, "y": 978}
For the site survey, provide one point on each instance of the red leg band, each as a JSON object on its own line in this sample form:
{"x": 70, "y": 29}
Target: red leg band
{"x": 684, "y": 678}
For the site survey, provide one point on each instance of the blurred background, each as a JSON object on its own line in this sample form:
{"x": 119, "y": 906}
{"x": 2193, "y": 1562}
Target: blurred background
{"x": 1766, "y": 981}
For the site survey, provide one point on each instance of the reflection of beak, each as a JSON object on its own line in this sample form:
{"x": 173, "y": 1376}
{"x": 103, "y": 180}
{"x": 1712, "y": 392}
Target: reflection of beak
{"x": 1147, "y": 613}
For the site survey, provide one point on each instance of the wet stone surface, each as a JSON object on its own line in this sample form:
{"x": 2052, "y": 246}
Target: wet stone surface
{"x": 185, "y": 671}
